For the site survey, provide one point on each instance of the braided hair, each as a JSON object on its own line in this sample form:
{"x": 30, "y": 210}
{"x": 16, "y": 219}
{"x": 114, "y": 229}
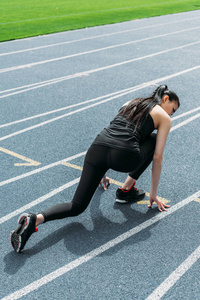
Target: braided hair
{"x": 138, "y": 109}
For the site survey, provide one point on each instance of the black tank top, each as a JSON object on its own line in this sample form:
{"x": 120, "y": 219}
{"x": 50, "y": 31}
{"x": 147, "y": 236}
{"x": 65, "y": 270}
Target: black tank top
{"x": 121, "y": 134}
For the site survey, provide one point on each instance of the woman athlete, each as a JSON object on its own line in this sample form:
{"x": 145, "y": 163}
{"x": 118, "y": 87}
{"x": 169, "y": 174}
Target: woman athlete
{"x": 126, "y": 145}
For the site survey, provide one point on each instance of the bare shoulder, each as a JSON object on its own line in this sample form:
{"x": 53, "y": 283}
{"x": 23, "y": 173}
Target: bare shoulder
{"x": 159, "y": 116}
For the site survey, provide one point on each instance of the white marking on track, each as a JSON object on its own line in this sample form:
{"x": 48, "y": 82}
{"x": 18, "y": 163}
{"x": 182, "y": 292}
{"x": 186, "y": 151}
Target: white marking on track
{"x": 186, "y": 113}
{"x": 92, "y": 37}
{"x": 64, "y": 108}
{"x": 36, "y": 85}
{"x": 136, "y": 88}
{"x": 59, "y": 79}
{"x": 85, "y": 102}
{"x": 185, "y": 122}
{"x": 92, "y": 254}
{"x": 39, "y": 200}
{"x": 41, "y": 169}
{"x": 30, "y": 65}
{"x": 83, "y": 153}
{"x": 162, "y": 289}
{"x": 60, "y": 117}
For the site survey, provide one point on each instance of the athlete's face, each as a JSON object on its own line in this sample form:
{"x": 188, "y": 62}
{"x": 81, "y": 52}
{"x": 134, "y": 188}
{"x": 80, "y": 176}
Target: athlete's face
{"x": 169, "y": 106}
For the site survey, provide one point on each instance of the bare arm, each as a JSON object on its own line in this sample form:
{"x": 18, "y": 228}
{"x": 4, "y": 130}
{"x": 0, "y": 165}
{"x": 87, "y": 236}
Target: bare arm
{"x": 164, "y": 124}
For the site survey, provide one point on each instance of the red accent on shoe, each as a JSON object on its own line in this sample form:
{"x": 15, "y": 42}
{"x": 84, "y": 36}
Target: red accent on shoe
{"x": 134, "y": 186}
{"x": 36, "y": 229}
{"x": 126, "y": 191}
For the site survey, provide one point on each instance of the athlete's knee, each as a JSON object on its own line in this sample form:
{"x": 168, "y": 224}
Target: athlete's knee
{"x": 76, "y": 209}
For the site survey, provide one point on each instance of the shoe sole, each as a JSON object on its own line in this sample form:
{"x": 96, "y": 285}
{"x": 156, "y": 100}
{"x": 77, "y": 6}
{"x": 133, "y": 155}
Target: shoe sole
{"x": 15, "y": 240}
{"x": 121, "y": 201}
{"x": 15, "y": 237}
{"x": 140, "y": 197}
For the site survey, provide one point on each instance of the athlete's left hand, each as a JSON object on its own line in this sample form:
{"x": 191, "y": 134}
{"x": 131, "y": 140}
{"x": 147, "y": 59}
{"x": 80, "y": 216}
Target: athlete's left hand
{"x": 105, "y": 181}
{"x": 161, "y": 205}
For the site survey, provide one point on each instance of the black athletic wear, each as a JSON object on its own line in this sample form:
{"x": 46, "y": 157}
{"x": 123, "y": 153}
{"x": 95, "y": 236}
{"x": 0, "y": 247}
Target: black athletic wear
{"x": 120, "y": 134}
{"x": 117, "y": 147}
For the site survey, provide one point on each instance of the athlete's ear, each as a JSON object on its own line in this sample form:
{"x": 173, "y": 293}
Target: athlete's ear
{"x": 165, "y": 98}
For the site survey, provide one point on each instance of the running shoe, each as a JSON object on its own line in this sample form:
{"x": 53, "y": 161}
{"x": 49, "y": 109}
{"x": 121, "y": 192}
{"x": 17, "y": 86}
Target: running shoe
{"x": 26, "y": 226}
{"x": 131, "y": 195}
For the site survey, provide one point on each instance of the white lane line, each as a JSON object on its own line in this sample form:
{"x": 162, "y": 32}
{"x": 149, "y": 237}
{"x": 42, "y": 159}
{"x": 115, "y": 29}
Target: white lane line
{"x": 31, "y": 204}
{"x": 39, "y": 200}
{"x": 96, "y": 36}
{"x": 86, "y": 73}
{"x": 41, "y": 169}
{"x": 91, "y": 12}
{"x": 32, "y": 86}
{"x": 161, "y": 290}
{"x": 85, "y": 102}
{"x": 92, "y": 254}
{"x": 136, "y": 88}
{"x": 185, "y": 122}
{"x": 64, "y": 108}
{"x": 29, "y": 65}
{"x": 62, "y": 116}
{"x": 53, "y": 164}
{"x": 186, "y": 113}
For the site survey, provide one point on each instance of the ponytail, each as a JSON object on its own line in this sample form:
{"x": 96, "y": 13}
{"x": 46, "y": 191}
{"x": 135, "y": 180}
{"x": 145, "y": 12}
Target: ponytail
{"x": 138, "y": 109}
{"x": 159, "y": 93}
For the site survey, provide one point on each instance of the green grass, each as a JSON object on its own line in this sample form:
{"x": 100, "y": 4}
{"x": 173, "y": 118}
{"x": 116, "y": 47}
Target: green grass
{"x": 25, "y": 18}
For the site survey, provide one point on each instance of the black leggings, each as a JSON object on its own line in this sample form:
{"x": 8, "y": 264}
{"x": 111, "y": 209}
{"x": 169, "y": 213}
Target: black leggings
{"x": 98, "y": 160}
